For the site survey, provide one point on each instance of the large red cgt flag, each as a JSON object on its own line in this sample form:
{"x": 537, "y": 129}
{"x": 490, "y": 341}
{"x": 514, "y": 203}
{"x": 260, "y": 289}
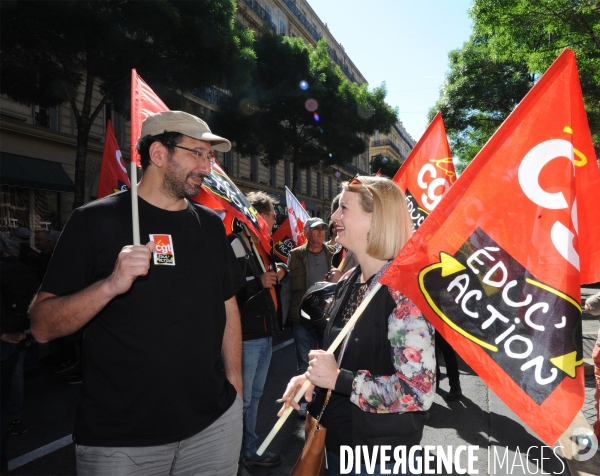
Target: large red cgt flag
{"x": 498, "y": 264}
{"x": 144, "y": 102}
{"x": 427, "y": 173}
{"x": 113, "y": 174}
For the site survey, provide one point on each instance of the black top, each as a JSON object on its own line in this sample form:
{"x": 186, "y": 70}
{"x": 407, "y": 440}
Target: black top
{"x": 152, "y": 371}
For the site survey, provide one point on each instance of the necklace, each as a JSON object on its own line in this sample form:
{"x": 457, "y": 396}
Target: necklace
{"x": 358, "y": 293}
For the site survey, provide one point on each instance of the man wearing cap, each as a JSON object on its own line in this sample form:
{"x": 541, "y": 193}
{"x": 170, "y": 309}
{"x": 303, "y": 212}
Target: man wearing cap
{"x": 162, "y": 386}
{"x": 307, "y": 265}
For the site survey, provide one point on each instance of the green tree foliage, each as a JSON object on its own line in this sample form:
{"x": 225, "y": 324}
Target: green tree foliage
{"x": 537, "y": 31}
{"x": 478, "y": 94}
{"x": 275, "y": 118}
{"x": 50, "y": 50}
{"x": 386, "y": 165}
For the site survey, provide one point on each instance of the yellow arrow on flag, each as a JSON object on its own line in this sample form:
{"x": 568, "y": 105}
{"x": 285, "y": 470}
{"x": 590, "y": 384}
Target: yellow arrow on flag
{"x": 450, "y": 264}
{"x": 567, "y": 363}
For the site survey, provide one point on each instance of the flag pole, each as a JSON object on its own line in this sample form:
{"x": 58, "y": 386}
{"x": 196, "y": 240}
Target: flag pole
{"x": 134, "y": 204}
{"x": 334, "y": 345}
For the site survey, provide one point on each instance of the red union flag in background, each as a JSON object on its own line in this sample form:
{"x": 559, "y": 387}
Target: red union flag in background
{"x": 427, "y": 173}
{"x": 283, "y": 242}
{"x": 113, "y": 174}
{"x": 497, "y": 266}
{"x": 144, "y": 102}
{"x": 220, "y": 193}
{"x": 297, "y": 216}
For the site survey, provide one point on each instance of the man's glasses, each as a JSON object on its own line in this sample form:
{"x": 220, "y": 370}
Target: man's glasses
{"x": 200, "y": 154}
{"x": 357, "y": 181}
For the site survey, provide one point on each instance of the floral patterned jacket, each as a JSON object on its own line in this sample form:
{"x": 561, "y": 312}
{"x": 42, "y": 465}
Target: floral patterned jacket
{"x": 412, "y": 339}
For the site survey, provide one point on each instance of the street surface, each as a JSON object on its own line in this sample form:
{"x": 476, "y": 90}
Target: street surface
{"x": 479, "y": 419}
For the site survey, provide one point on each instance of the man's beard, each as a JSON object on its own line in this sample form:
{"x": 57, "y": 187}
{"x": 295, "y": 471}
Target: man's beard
{"x": 175, "y": 182}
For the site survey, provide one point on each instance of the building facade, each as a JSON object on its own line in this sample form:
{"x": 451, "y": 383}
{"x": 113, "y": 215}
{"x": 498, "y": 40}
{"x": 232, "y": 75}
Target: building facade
{"x": 395, "y": 145}
{"x": 38, "y": 145}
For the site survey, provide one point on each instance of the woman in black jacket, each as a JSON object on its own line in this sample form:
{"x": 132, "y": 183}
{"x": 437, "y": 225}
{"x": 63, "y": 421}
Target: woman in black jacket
{"x": 382, "y": 377}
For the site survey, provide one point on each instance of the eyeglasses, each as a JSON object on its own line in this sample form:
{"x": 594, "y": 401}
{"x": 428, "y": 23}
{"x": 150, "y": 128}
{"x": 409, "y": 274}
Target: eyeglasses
{"x": 205, "y": 155}
{"x": 357, "y": 181}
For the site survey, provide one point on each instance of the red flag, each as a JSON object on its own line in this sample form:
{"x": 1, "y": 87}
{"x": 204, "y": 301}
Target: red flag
{"x": 220, "y": 193}
{"x": 144, "y": 102}
{"x": 495, "y": 267}
{"x": 283, "y": 242}
{"x": 113, "y": 174}
{"x": 427, "y": 173}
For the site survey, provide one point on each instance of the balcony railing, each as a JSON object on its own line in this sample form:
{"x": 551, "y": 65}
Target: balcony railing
{"x": 401, "y": 134}
{"x": 211, "y": 95}
{"x": 388, "y": 143}
{"x": 337, "y": 60}
{"x": 261, "y": 13}
{"x": 296, "y": 11}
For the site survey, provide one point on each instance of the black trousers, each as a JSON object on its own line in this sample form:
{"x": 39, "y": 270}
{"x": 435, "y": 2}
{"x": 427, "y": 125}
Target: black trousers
{"x": 450, "y": 359}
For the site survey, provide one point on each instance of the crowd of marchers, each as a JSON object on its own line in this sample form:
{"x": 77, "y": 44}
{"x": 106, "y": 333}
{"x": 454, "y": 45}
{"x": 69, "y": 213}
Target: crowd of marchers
{"x": 202, "y": 354}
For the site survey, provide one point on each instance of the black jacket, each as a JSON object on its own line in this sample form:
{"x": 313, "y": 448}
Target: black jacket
{"x": 258, "y": 313}
{"x": 365, "y": 351}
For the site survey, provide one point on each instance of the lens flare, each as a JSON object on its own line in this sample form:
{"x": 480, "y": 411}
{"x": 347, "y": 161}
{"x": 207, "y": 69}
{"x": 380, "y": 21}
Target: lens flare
{"x": 337, "y": 175}
{"x": 316, "y": 116}
{"x": 303, "y": 85}
{"x": 331, "y": 156}
{"x": 311, "y": 105}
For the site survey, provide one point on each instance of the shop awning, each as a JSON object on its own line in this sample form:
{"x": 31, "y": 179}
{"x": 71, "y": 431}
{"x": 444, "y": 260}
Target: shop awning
{"x": 27, "y": 172}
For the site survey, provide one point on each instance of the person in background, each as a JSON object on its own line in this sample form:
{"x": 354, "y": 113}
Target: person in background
{"x": 337, "y": 257}
{"x": 345, "y": 259}
{"x": 260, "y": 310}
{"x": 18, "y": 286}
{"x": 45, "y": 242}
{"x": 162, "y": 355}
{"x": 27, "y": 255}
{"x": 451, "y": 368}
{"x": 378, "y": 385}
{"x": 592, "y": 305}
{"x": 307, "y": 265}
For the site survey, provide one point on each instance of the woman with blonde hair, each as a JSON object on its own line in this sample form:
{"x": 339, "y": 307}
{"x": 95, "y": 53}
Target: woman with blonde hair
{"x": 377, "y": 387}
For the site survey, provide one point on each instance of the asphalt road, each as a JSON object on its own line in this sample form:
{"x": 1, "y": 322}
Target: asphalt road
{"x": 478, "y": 419}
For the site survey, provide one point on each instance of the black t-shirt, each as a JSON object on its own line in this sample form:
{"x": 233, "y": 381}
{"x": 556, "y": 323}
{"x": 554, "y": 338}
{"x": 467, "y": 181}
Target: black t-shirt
{"x": 152, "y": 370}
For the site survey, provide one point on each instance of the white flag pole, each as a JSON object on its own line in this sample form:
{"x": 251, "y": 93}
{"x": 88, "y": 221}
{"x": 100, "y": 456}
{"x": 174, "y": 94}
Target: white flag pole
{"x": 134, "y": 204}
{"x": 334, "y": 345}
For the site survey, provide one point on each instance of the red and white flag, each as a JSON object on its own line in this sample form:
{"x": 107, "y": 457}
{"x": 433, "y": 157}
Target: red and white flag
{"x": 144, "y": 102}
{"x": 297, "y": 215}
{"x": 427, "y": 173}
{"x": 113, "y": 173}
{"x": 497, "y": 266}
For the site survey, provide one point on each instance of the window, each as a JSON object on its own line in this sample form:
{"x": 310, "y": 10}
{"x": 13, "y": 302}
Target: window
{"x": 286, "y": 172}
{"x": 273, "y": 176}
{"x": 281, "y": 27}
{"x": 228, "y": 163}
{"x": 330, "y": 187}
{"x": 298, "y": 173}
{"x": 45, "y": 117}
{"x": 319, "y": 188}
{"x": 308, "y": 182}
{"x": 254, "y": 168}
{"x": 268, "y": 10}
{"x": 119, "y": 127}
{"x": 33, "y": 209}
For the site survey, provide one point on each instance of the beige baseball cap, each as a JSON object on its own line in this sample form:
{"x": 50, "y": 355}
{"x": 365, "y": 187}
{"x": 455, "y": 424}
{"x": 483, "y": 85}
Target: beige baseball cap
{"x": 184, "y": 123}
